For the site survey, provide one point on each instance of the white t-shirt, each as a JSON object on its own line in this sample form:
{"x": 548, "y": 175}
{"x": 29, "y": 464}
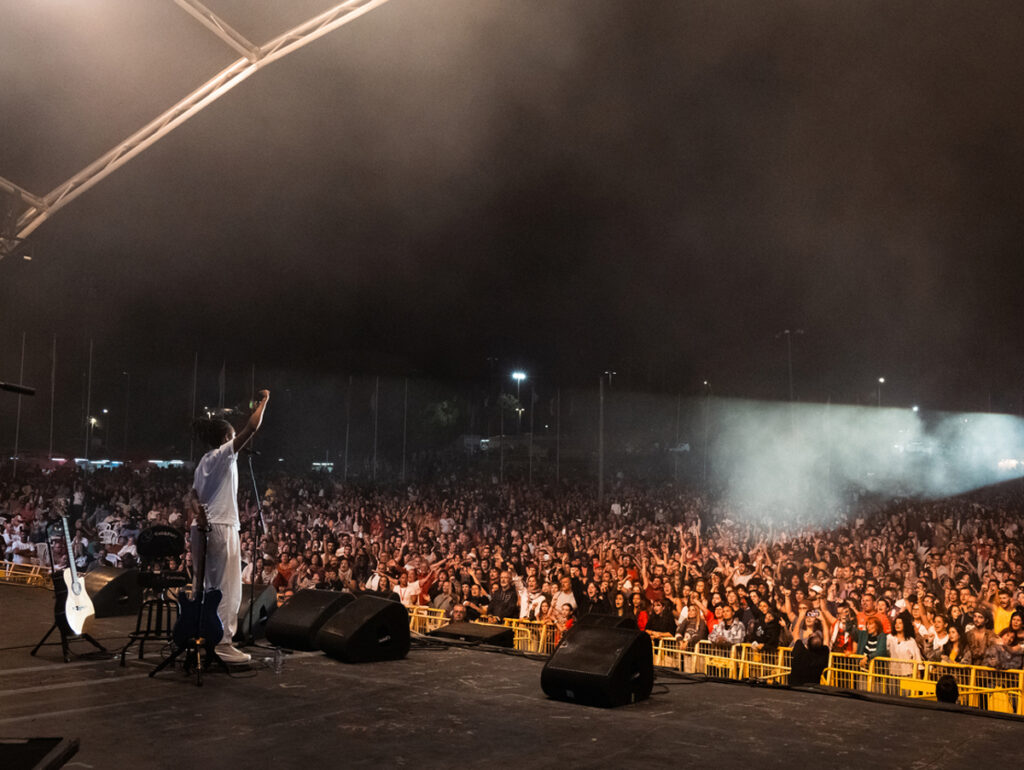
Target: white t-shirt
{"x": 216, "y": 483}
{"x": 409, "y": 594}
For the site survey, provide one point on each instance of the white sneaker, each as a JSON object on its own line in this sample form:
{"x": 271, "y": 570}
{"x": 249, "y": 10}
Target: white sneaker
{"x": 231, "y": 654}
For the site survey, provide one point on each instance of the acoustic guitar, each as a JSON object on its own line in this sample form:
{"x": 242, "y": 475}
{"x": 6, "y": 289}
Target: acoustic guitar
{"x": 78, "y": 606}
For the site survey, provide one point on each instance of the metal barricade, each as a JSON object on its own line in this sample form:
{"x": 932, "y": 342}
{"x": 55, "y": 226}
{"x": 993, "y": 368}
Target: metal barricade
{"x": 668, "y": 654}
{"x": 533, "y": 636}
{"x": 24, "y": 574}
{"x": 717, "y": 660}
{"x": 423, "y": 620}
{"x": 762, "y": 665}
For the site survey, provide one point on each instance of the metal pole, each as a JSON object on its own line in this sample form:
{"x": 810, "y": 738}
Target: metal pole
{"x": 88, "y": 404}
{"x": 789, "y": 358}
{"x": 675, "y": 454}
{"x": 533, "y": 400}
{"x": 828, "y": 444}
{"x": 405, "y": 425}
{"x": 127, "y": 401}
{"x": 53, "y": 381}
{"x": 558, "y": 437}
{"x": 376, "y": 411}
{"x": 600, "y": 442}
{"x": 519, "y": 409}
{"x": 192, "y": 413}
{"x": 348, "y": 421}
{"x": 17, "y": 422}
{"x": 707, "y": 414}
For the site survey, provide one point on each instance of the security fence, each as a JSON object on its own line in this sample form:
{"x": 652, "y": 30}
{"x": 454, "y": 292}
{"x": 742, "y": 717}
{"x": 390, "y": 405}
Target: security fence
{"x": 980, "y": 687}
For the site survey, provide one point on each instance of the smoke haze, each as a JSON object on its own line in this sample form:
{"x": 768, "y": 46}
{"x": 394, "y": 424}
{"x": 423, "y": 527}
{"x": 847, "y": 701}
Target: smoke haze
{"x": 778, "y": 459}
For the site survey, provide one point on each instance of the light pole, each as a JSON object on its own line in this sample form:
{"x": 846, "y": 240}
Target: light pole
{"x": 881, "y": 382}
{"x": 600, "y": 433}
{"x": 707, "y": 414}
{"x": 88, "y": 436}
{"x": 519, "y": 377}
{"x": 127, "y": 395}
{"x": 788, "y": 334}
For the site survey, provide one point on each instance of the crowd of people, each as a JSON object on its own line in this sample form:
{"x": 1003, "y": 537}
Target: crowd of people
{"x": 905, "y": 579}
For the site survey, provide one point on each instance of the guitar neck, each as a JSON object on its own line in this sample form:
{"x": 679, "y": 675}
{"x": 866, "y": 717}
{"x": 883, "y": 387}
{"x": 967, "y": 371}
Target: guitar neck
{"x": 70, "y": 548}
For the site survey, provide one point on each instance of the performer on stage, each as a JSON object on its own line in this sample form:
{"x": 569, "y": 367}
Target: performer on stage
{"x": 213, "y": 506}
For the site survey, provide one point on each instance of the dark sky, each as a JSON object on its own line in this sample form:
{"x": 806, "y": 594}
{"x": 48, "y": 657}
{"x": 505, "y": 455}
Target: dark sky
{"x": 657, "y": 188}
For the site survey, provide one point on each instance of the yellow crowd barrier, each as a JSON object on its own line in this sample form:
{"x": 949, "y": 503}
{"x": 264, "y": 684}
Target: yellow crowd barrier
{"x": 24, "y": 574}
{"x": 423, "y": 620}
{"x": 533, "y": 636}
{"x": 980, "y": 687}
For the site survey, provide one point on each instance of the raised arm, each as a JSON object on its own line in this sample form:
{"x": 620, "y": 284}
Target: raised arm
{"x": 253, "y": 424}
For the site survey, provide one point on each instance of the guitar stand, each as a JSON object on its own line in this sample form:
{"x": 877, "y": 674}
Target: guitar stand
{"x": 66, "y": 637}
{"x": 197, "y": 658}
{"x": 60, "y": 620}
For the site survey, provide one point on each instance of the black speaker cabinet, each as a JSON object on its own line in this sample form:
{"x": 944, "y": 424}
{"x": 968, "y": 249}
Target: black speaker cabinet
{"x": 368, "y": 629}
{"x": 296, "y": 623}
{"x": 599, "y": 666}
{"x": 475, "y": 632}
{"x": 114, "y": 591}
{"x": 263, "y": 606}
{"x": 597, "y": 619}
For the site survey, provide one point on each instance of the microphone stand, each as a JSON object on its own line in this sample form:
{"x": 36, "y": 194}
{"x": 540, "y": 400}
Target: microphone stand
{"x": 259, "y": 528}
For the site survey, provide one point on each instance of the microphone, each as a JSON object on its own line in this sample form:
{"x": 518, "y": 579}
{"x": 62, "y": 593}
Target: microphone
{"x": 249, "y": 451}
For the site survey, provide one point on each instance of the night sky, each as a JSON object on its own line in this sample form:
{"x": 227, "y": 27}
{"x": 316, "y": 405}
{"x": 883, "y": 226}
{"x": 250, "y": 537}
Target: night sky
{"x": 656, "y": 188}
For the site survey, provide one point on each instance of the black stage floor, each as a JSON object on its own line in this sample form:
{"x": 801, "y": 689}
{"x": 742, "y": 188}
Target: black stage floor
{"x": 442, "y": 706}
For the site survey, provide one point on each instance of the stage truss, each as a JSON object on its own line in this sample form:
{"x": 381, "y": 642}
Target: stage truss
{"x": 21, "y": 212}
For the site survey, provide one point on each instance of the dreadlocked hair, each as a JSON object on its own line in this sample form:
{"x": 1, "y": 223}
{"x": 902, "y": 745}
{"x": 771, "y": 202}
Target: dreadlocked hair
{"x": 211, "y": 432}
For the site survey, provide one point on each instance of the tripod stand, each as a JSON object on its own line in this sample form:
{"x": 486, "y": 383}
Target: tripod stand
{"x": 247, "y": 634}
{"x": 60, "y": 623}
{"x": 198, "y": 629}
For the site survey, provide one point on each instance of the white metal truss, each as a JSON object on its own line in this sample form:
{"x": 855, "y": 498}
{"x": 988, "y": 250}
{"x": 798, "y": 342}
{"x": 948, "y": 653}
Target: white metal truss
{"x": 25, "y": 211}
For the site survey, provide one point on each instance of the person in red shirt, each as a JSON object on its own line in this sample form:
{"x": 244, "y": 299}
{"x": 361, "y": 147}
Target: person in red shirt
{"x": 868, "y": 609}
{"x": 639, "y": 610}
{"x": 841, "y": 635}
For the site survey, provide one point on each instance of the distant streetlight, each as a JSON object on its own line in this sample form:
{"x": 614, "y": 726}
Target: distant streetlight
{"x": 881, "y": 382}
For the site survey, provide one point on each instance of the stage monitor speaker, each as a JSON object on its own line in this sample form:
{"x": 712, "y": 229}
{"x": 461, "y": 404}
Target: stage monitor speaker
{"x": 499, "y": 636}
{"x": 369, "y": 629}
{"x": 263, "y": 605}
{"x": 598, "y": 666}
{"x": 601, "y": 620}
{"x": 296, "y": 623}
{"x": 114, "y": 591}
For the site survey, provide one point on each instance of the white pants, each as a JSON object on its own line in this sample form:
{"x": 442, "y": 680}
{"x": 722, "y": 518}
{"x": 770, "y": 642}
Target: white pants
{"x": 223, "y": 558}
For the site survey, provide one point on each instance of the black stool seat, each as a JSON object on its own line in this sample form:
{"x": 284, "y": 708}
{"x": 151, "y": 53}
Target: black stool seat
{"x": 160, "y": 542}
{"x": 156, "y": 545}
{"x": 162, "y": 581}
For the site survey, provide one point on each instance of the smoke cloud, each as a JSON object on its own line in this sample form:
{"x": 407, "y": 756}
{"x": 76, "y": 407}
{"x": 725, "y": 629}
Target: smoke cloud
{"x": 778, "y": 460}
